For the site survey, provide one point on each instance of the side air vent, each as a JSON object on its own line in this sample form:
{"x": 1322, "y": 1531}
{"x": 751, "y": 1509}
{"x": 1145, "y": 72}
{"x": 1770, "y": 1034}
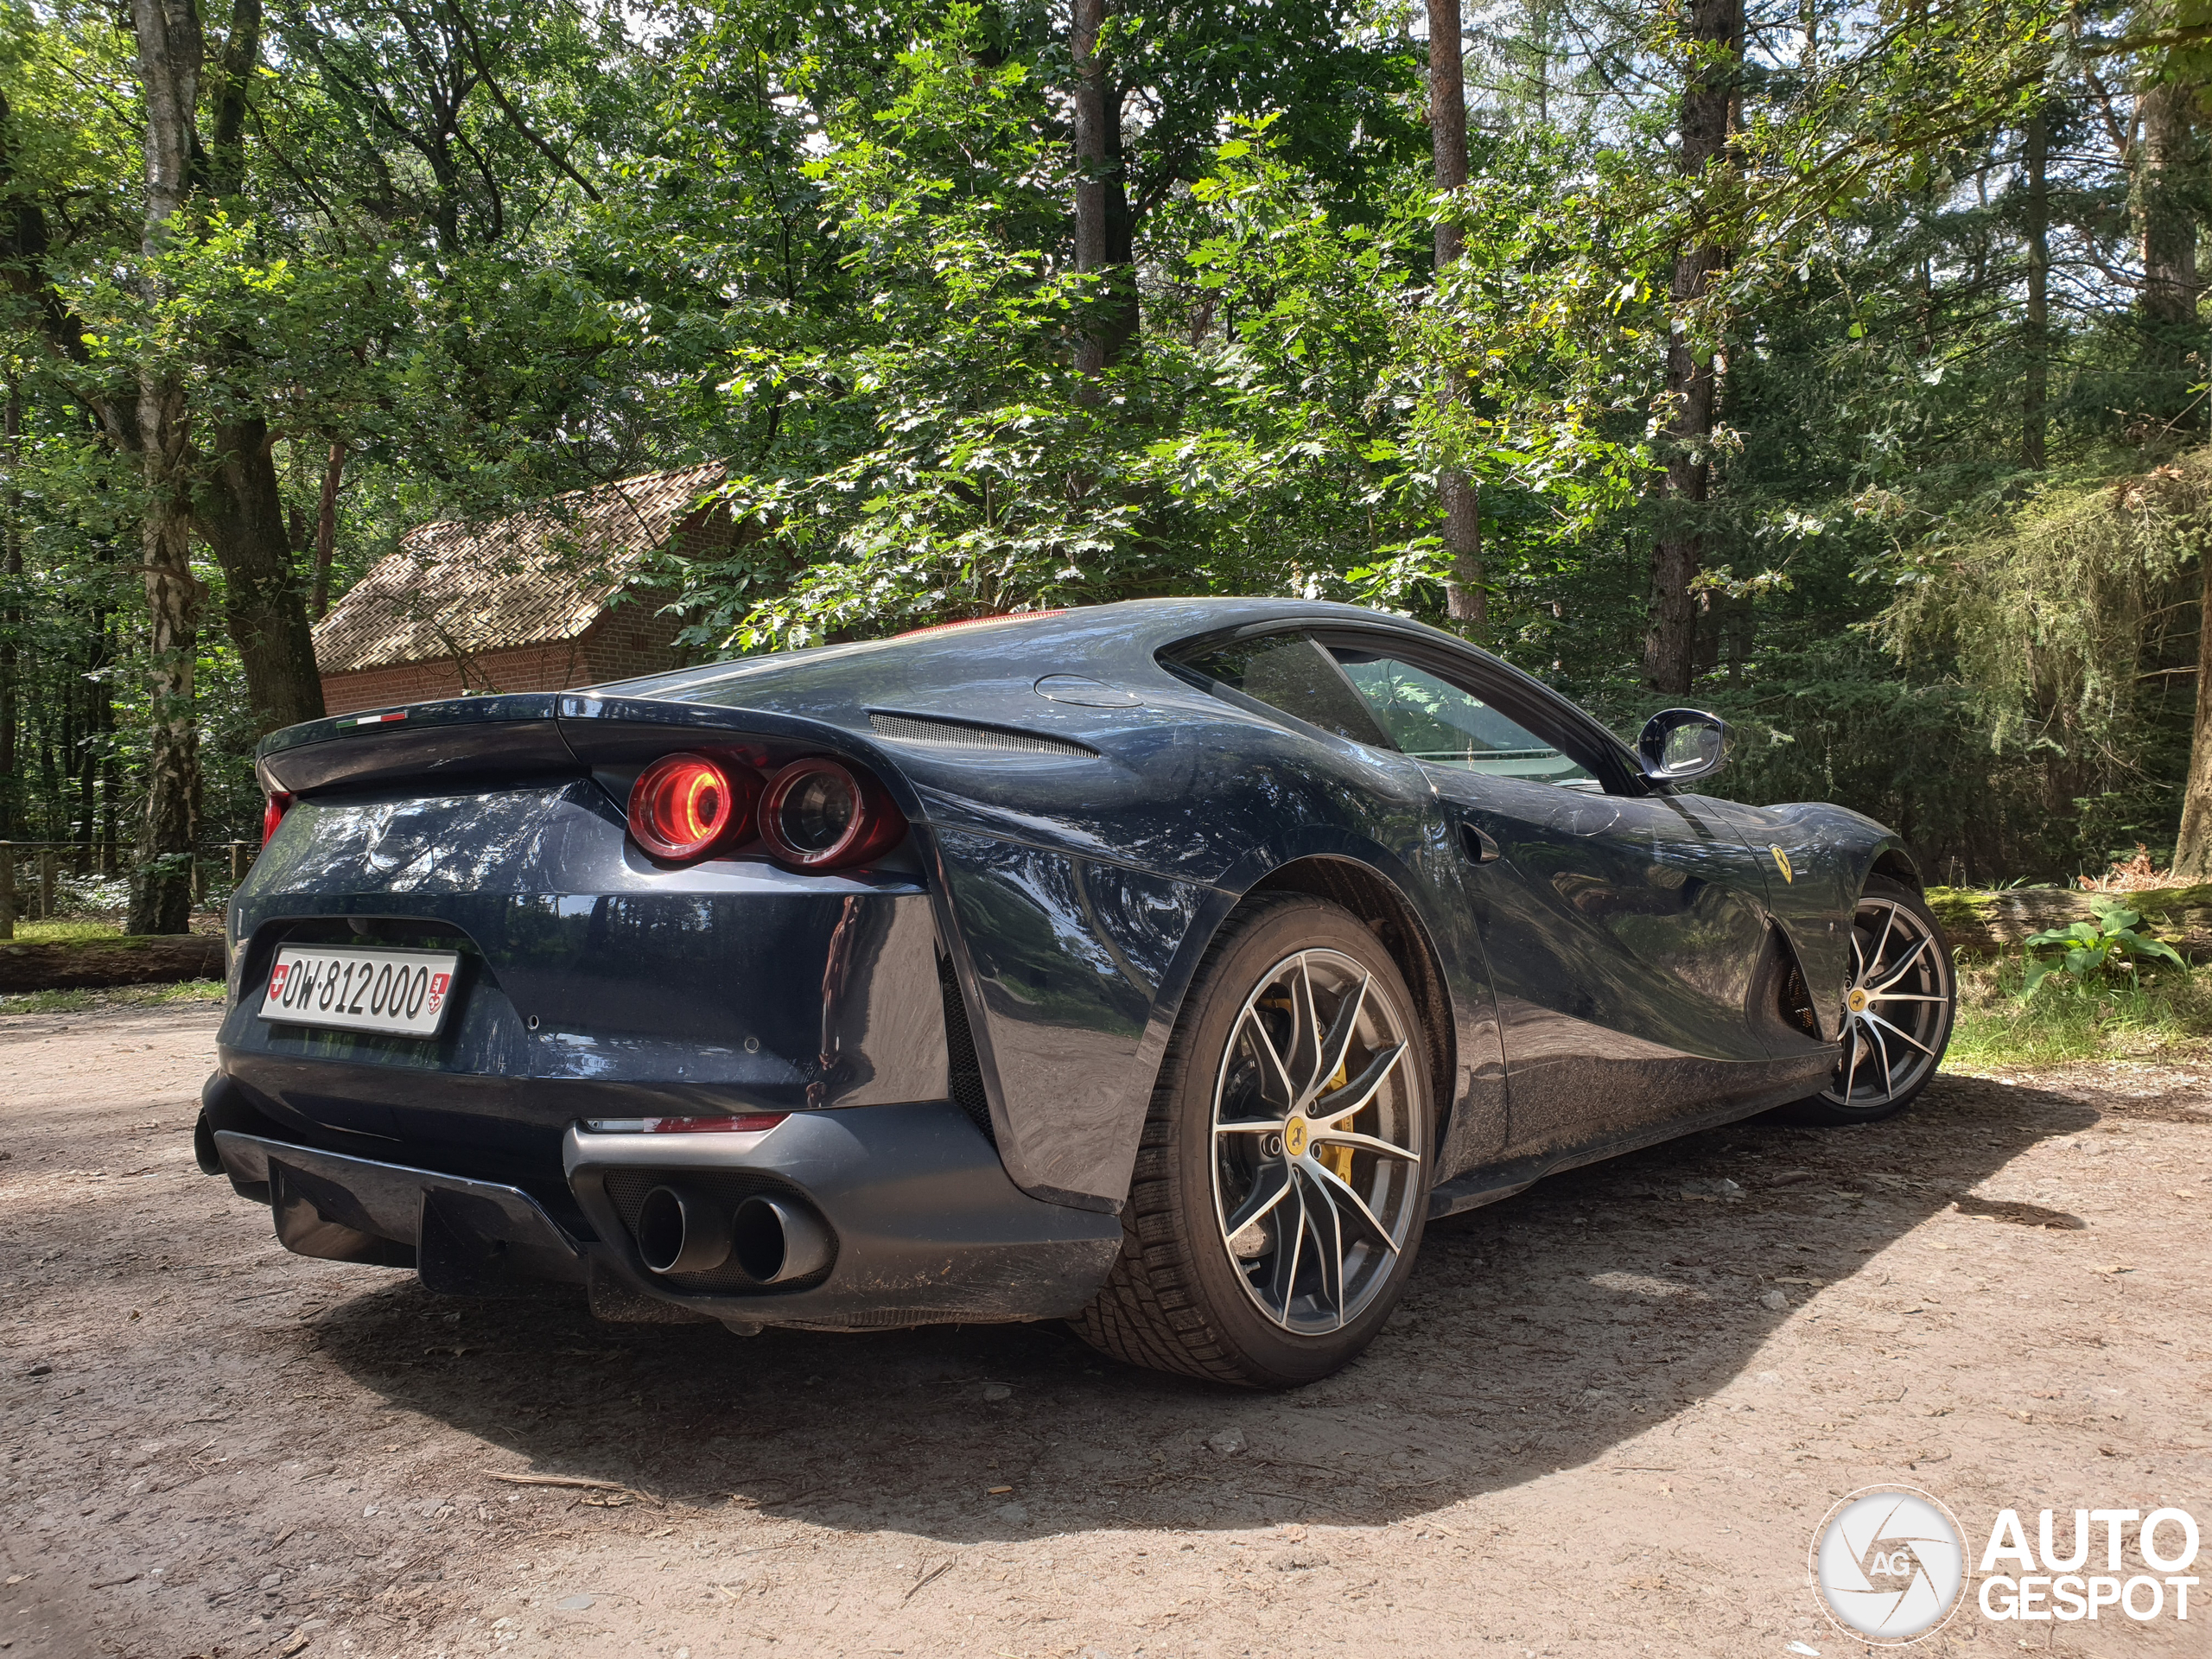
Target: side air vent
{"x": 1796, "y": 1002}
{"x": 958, "y": 734}
{"x": 966, "y": 1070}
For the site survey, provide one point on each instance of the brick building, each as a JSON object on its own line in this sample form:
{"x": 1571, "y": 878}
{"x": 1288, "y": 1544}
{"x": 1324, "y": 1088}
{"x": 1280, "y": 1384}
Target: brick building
{"x": 549, "y": 598}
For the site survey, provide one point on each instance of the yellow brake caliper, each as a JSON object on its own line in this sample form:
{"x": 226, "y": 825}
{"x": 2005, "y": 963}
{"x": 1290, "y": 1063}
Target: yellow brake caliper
{"x": 1337, "y": 1159}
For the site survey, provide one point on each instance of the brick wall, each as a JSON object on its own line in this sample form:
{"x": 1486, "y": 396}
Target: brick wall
{"x": 629, "y": 640}
{"x": 523, "y": 668}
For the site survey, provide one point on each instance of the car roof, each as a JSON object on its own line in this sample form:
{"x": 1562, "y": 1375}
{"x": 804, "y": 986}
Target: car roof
{"x": 1121, "y": 640}
{"x": 1091, "y": 638}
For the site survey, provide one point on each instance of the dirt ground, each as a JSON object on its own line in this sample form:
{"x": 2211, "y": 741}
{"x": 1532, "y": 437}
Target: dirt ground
{"x": 1585, "y": 1433}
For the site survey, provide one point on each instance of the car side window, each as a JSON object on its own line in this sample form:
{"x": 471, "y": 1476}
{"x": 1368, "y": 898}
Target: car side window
{"x": 1433, "y": 719}
{"x": 1292, "y": 672}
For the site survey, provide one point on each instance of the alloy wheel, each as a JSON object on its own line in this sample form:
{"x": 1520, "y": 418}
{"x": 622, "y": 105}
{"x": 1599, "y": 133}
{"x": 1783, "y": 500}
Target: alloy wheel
{"x": 1317, "y": 1165}
{"x": 1898, "y": 1005}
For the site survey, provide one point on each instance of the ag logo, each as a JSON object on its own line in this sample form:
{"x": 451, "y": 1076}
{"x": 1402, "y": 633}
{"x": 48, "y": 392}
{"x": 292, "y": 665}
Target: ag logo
{"x": 1889, "y": 1564}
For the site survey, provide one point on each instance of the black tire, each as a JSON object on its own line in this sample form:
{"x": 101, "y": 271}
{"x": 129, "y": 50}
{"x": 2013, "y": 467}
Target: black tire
{"x": 1890, "y": 1061}
{"x": 1188, "y": 1294}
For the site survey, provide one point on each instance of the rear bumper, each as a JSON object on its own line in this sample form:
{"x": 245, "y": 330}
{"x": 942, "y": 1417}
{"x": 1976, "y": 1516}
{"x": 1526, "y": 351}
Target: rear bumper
{"x": 927, "y": 1227}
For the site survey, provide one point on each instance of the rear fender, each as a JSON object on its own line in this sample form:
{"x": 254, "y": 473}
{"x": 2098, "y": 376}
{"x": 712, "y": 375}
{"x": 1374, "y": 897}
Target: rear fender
{"x": 1460, "y": 1005}
{"x": 1071, "y": 968}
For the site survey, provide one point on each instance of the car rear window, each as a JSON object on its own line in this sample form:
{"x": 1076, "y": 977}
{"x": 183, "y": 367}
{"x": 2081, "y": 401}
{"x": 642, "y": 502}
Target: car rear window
{"x": 1293, "y": 673}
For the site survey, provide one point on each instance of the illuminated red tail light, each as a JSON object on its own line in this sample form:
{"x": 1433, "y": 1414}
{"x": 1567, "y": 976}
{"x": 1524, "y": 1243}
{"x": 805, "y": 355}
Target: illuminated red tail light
{"x": 684, "y": 805}
{"x": 820, "y": 814}
{"x": 273, "y": 814}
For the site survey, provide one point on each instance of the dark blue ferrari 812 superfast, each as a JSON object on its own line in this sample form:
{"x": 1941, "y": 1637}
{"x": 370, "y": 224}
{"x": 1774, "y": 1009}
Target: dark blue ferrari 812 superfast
{"x": 1162, "y": 967}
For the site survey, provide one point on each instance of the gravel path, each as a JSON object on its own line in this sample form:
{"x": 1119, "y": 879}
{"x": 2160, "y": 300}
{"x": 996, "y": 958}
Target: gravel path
{"x": 1606, "y": 1420}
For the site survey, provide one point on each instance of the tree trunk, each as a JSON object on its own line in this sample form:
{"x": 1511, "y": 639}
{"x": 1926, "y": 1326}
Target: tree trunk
{"x": 2193, "y": 847}
{"x": 161, "y": 895}
{"x": 83, "y": 964}
{"x": 326, "y": 528}
{"x": 171, "y": 53}
{"x": 11, "y": 619}
{"x": 1464, "y": 596}
{"x": 1103, "y": 234}
{"x": 2165, "y": 214}
{"x": 2165, "y": 218}
{"x": 88, "y": 775}
{"x": 2034, "y": 421}
{"x": 241, "y": 512}
{"x": 226, "y": 158}
{"x": 1706, "y": 118}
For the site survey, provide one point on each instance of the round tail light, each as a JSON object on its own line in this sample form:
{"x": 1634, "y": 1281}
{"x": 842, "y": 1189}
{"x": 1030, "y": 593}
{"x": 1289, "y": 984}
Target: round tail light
{"x": 820, "y": 814}
{"x": 684, "y": 805}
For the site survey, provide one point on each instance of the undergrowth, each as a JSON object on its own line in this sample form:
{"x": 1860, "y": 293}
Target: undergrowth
{"x": 2167, "y": 1015}
{"x": 64, "y": 933}
{"x": 112, "y": 996}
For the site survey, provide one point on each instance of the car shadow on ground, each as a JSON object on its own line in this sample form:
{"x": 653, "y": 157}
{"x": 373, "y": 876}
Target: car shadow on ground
{"x": 1537, "y": 1334}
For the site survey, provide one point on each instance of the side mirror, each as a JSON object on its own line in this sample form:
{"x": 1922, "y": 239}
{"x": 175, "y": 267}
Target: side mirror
{"x": 1679, "y": 744}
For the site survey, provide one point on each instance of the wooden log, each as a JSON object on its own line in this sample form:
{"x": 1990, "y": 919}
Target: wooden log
{"x": 1991, "y": 923}
{"x": 127, "y": 959}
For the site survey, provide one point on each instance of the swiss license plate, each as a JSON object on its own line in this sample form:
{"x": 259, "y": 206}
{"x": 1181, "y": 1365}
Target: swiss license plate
{"x": 404, "y": 993}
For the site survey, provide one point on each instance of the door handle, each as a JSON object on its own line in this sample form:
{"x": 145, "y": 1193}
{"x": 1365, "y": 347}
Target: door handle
{"x": 1478, "y": 847}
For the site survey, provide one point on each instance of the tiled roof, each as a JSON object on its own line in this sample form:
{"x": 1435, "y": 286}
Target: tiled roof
{"x": 544, "y": 574}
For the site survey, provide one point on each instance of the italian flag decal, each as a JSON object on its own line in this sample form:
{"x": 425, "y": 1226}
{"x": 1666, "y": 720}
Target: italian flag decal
{"x": 372, "y": 720}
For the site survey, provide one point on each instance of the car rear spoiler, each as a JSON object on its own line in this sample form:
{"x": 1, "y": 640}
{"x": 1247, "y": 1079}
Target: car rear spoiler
{"x": 475, "y": 738}
{"x": 469, "y": 741}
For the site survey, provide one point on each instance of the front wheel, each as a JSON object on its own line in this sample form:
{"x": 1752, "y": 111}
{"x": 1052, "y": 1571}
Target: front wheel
{"x": 1899, "y": 1005}
{"x": 1282, "y": 1181}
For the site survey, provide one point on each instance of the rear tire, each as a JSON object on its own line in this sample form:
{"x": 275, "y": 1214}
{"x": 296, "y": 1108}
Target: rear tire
{"x": 1282, "y": 1180}
{"x": 1899, "y": 1007}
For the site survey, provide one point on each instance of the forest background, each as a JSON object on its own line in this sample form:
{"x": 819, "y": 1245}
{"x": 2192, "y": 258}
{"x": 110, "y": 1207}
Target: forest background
{"x": 1837, "y": 367}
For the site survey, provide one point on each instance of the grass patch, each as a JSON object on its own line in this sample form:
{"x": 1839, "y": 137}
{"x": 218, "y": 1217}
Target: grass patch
{"x": 63, "y": 932}
{"x": 2168, "y": 1016}
{"x": 113, "y": 996}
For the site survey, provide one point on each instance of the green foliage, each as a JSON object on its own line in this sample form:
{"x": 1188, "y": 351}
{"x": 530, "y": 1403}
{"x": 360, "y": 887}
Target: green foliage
{"x": 2070, "y": 1021}
{"x": 494, "y": 252}
{"x": 121, "y": 997}
{"x": 2105, "y": 949}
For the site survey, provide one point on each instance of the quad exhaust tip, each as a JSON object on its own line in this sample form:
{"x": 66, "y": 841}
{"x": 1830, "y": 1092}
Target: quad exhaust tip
{"x": 681, "y": 1232}
{"x": 774, "y": 1240}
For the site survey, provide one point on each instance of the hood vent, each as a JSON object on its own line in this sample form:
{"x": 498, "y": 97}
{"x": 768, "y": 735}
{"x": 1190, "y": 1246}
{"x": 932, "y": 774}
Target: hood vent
{"x": 958, "y": 734}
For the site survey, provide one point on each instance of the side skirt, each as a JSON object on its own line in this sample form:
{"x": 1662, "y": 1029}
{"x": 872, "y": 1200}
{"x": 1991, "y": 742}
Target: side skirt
{"x": 1495, "y": 1181}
